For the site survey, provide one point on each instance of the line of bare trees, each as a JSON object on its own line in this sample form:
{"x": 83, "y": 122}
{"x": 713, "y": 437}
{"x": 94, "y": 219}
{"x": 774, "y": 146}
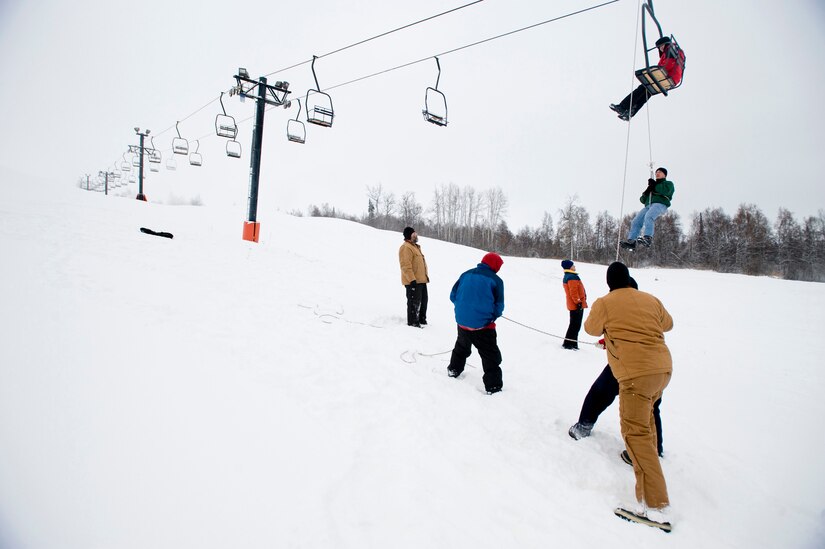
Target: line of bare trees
{"x": 745, "y": 243}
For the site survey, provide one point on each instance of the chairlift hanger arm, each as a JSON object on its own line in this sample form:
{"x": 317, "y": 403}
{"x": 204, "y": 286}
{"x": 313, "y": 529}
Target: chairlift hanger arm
{"x": 648, "y": 6}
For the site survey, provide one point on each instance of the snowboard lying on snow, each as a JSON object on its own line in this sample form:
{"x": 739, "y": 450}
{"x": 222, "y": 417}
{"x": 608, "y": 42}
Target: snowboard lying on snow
{"x": 641, "y": 519}
{"x": 156, "y": 233}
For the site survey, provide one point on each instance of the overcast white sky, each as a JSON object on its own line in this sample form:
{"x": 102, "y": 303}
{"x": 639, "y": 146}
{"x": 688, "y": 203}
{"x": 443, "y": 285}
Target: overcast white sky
{"x": 527, "y": 112}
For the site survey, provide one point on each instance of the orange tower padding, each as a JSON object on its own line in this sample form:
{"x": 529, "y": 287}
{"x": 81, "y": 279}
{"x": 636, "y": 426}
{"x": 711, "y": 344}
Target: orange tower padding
{"x": 251, "y": 230}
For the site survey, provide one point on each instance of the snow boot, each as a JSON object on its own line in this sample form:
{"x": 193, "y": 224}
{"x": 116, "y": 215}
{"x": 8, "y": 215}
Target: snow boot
{"x": 626, "y": 458}
{"x": 580, "y": 430}
{"x": 643, "y": 518}
{"x": 493, "y": 390}
{"x": 645, "y": 241}
{"x": 628, "y": 244}
{"x": 453, "y": 373}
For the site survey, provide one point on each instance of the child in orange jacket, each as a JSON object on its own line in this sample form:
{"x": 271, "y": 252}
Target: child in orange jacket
{"x": 576, "y": 304}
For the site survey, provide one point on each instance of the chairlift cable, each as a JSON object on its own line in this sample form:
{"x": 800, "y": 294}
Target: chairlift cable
{"x": 423, "y": 59}
{"x": 188, "y": 116}
{"x": 571, "y": 14}
{"x": 375, "y": 37}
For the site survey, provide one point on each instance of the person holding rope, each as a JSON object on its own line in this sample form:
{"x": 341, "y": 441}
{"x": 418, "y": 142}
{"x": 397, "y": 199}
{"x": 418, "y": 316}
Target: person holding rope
{"x": 633, "y": 324}
{"x": 576, "y": 304}
{"x": 601, "y": 395}
{"x": 672, "y": 61}
{"x": 478, "y": 296}
{"x": 656, "y": 198}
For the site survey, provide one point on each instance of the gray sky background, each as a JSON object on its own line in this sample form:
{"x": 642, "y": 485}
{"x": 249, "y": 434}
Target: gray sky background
{"x": 527, "y": 112}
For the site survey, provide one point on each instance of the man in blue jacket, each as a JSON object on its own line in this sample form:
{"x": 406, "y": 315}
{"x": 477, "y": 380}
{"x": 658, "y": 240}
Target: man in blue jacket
{"x": 478, "y": 296}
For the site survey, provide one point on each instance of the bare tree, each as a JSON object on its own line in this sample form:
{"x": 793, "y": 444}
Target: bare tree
{"x": 410, "y": 210}
{"x": 495, "y": 205}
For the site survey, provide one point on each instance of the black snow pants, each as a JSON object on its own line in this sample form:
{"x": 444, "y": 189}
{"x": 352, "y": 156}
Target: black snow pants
{"x": 602, "y": 394}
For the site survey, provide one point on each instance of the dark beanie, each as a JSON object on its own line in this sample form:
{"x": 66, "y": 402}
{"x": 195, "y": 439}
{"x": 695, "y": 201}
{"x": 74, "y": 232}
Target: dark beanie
{"x": 566, "y": 264}
{"x": 663, "y": 170}
{"x": 408, "y": 233}
{"x": 493, "y": 260}
{"x": 662, "y": 40}
{"x": 617, "y": 276}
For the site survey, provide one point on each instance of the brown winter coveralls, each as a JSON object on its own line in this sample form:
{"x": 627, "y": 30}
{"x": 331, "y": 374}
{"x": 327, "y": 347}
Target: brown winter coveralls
{"x": 413, "y": 265}
{"x": 633, "y": 324}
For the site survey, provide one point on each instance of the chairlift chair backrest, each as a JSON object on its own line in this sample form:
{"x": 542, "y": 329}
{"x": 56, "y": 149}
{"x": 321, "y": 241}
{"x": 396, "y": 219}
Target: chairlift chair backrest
{"x": 171, "y": 164}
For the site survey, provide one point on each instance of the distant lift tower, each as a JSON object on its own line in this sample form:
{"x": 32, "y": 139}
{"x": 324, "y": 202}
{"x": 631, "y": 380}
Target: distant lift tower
{"x": 139, "y": 151}
{"x": 266, "y": 95}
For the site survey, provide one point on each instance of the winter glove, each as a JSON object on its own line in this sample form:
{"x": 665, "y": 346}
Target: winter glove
{"x": 578, "y": 306}
{"x": 413, "y": 283}
{"x": 651, "y": 182}
{"x": 601, "y": 344}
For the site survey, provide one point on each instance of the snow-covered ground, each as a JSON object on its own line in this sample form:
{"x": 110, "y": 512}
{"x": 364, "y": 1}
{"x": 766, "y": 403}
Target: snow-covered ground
{"x": 210, "y": 392}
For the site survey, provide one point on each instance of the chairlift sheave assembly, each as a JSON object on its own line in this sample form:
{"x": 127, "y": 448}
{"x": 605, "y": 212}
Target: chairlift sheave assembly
{"x": 295, "y": 130}
{"x": 321, "y": 112}
{"x": 179, "y": 144}
{"x": 435, "y": 103}
{"x": 653, "y": 77}
{"x": 225, "y": 125}
{"x": 195, "y": 158}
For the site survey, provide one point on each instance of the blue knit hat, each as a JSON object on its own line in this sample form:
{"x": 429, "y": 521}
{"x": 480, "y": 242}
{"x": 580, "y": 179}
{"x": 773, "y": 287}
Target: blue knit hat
{"x": 566, "y": 264}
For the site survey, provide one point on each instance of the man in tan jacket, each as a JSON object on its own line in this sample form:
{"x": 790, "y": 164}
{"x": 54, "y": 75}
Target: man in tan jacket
{"x": 414, "y": 277}
{"x": 633, "y": 324}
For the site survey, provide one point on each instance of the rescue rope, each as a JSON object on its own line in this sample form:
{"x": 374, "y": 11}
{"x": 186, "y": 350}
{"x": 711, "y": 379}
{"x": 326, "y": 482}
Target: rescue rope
{"x": 627, "y": 139}
{"x": 552, "y": 335}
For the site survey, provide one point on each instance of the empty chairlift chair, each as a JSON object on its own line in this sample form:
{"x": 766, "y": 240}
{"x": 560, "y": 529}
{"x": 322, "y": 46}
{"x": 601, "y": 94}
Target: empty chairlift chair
{"x": 179, "y": 144}
{"x": 435, "y": 103}
{"x": 319, "y": 110}
{"x": 195, "y": 158}
{"x": 154, "y": 157}
{"x": 295, "y": 130}
{"x": 225, "y": 125}
{"x": 125, "y": 165}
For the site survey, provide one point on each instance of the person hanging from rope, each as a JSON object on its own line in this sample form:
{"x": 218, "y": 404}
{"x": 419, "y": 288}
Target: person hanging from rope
{"x": 656, "y": 198}
{"x": 672, "y": 61}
